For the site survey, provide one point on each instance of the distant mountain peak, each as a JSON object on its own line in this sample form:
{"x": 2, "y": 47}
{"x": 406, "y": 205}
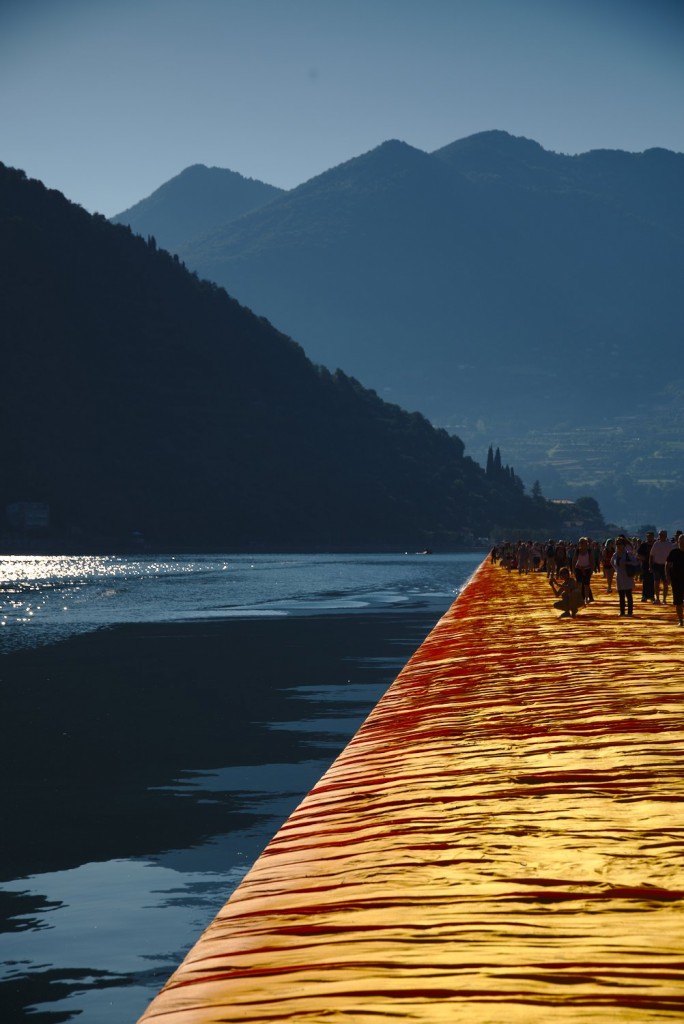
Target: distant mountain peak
{"x": 396, "y": 145}
{"x": 496, "y": 156}
{"x": 194, "y": 202}
{"x": 198, "y": 171}
{"x": 496, "y": 143}
{"x": 191, "y": 169}
{"x": 497, "y": 135}
{"x": 390, "y": 156}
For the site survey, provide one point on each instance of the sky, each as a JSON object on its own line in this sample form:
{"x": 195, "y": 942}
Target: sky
{"x": 106, "y": 100}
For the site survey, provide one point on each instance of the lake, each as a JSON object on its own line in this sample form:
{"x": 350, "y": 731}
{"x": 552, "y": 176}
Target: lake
{"x": 162, "y": 716}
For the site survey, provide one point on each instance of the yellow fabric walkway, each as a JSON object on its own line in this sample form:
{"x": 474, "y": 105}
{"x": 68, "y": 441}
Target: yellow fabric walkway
{"x": 502, "y": 840}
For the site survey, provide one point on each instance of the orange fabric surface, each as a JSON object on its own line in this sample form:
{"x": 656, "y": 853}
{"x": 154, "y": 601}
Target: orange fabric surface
{"x": 502, "y": 840}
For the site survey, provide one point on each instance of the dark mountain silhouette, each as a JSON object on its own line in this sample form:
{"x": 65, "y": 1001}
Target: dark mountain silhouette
{"x": 506, "y": 292}
{"x": 138, "y": 398}
{"x": 195, "y": 201}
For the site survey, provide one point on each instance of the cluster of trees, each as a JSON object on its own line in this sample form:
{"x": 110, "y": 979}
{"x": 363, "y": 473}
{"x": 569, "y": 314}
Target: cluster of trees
{"x": 139, "y": 398}
{"x": 496, "y": 471}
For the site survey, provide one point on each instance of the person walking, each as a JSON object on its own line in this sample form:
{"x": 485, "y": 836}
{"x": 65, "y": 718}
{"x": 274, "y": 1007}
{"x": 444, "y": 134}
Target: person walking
{"x": 674, "y": 569}
{"x": 644, "y": 556}
{"x": 583, "y": 567}
{"x": 659, "y": 552}
{"x": 625, "y": 565}
{"x": 608, "y": 567}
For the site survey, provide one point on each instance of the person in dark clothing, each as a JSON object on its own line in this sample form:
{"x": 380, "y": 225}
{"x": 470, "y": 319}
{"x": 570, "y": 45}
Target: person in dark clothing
{"x": 643, "y": 554}
{"x": 674, "y": 567}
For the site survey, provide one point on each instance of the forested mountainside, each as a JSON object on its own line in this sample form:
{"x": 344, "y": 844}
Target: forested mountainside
{"x": 508, "y": 293}
{"x": 139, "y": 398}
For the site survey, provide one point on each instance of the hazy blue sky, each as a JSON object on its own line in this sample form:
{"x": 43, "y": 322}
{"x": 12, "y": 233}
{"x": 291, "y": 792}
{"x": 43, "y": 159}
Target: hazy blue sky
{"x": 107, "y": 99}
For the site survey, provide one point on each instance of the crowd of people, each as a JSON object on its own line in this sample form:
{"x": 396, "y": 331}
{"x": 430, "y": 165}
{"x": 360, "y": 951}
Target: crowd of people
{"x": 651, "y": 566}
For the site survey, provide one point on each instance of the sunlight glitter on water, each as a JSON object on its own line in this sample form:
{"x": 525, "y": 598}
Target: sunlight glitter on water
{"x": 46, "y": 598}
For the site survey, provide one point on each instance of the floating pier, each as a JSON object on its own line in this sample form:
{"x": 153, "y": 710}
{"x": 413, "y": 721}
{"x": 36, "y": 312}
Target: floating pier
{"x": 501, "y": 841}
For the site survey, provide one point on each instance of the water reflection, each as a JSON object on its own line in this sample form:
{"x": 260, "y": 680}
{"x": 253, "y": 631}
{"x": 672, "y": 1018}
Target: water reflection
{"x": 71, "y": 940}
{"x": 95, "y": 909}
{"x": 151, "y": 763}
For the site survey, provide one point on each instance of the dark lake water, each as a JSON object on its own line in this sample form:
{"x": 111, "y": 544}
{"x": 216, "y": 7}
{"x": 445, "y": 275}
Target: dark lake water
{"x": 161, "y": 717}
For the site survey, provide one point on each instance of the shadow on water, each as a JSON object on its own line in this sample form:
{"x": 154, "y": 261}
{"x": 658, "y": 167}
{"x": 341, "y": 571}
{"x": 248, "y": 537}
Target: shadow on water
{"x": 131, "y": 747}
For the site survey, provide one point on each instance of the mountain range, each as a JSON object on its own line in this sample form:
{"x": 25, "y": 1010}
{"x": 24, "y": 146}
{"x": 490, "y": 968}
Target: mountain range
{"x": 512, "y": 295}
{"x": 139, "y": 401}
